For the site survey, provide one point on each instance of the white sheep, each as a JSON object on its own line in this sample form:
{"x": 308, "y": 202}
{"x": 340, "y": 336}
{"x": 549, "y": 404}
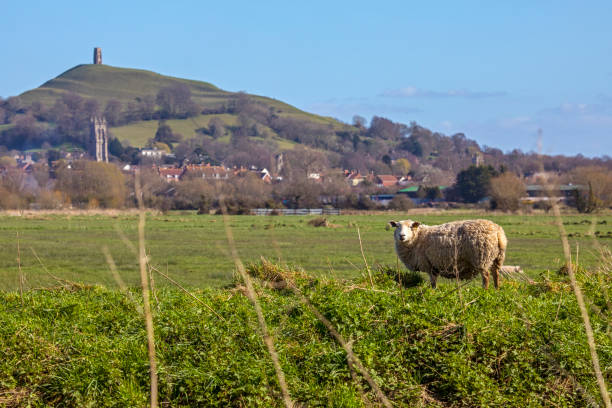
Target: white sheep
{"x": 459, "y": 249}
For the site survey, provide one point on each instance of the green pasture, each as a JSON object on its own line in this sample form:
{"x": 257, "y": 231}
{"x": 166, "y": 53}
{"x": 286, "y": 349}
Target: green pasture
{"x": 138, "y": 133}
{"x": 194, "y": 250}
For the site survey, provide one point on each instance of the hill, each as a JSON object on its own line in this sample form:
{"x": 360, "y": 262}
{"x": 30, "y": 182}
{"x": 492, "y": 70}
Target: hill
{"x": 239, "y": 129}
{"x": 129, "y": 86}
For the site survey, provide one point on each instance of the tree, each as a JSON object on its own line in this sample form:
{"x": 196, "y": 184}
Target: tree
{"x": 359, "y": 121}
{"x": 401, "y": 167}
{"x": 112, "y": 112}
{"x": 506, "y": 192}
{"x": 24, "y": 135}
{"x": 175, "y": 102}
{"x": 598, "y": 179}
{"x": 165, "y": 135}
{"x": 115, "y": 147}
{"x": 412, "y": 145}
{"x": 92, "y": 183}
{"x": 474, "y": 182}
{"x": 216, "y": 128}
{"x": 383, "y": 128}
{"x": 91, "y": 108}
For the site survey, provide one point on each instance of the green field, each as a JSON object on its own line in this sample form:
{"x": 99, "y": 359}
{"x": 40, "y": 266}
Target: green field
{"x": 73, "y": 340}
{"x": 193, "y": 248}
{"x": 138, "y": 133}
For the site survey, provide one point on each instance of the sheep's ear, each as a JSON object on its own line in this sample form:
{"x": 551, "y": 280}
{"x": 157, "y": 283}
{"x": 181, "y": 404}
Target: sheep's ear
{"x": 415, "y": 225}
{"x": 394, "y": 224}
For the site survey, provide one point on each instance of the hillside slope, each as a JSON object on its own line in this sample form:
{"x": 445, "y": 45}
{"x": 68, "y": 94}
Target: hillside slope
{"x": 104, "y": 82}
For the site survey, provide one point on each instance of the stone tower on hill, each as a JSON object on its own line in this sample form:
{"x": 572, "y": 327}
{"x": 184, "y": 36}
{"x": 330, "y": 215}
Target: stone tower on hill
{"x": 99, "y": 139}
{"x": 97, "y": 55}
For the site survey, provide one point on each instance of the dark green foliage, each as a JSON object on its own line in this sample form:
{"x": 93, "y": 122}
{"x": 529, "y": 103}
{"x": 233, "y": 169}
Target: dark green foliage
{"x": 412, "y": 145}
{"x": 473, "y": 183}
{"x": 115, "y": 147}
{"x": 165, "y": 135}
{"x": 406, "y": 278}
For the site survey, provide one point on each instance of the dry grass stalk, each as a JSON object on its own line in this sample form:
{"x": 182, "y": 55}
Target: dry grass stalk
{"x": 122, "y": 286}
{"x": 16, "y": 397}
{"x": 142, "y": 260}
{"x": 364, "y": 258}
{"x": 187, "y": 292}
{"x": 515, "y": 272}
{"x": 252, "y": 295}
{"x": 152, "y": 282}
{"x": 113, "y": 268}
{"x": 126, "y": 240}
{"x": 583, "y": 309}
{"x": 63, "y": 282}
{"x": 352, "y": 359}
{"x": 21, "y": 276}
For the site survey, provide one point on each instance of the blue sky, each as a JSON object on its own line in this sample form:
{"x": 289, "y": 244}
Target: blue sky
{"x": 495, "y": 71}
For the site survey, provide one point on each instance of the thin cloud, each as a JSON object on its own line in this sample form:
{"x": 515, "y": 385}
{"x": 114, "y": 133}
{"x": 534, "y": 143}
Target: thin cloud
{"x": 330, "y": 108}
{"x": 414, "y": 92}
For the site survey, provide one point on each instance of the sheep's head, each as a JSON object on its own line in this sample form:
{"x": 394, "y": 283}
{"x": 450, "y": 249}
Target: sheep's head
{"x": 405, "y": 230}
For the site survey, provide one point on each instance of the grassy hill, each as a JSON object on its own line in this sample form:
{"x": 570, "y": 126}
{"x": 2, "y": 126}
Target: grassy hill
{"x": 104, "y": 82}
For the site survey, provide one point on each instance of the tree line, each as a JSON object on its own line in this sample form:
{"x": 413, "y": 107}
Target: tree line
{"x": 88, "y": 184}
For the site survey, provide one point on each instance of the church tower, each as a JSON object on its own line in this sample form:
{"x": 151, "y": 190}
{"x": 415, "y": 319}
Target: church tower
{"x": 99, "y": 139}
{"x": 97, "y": 55}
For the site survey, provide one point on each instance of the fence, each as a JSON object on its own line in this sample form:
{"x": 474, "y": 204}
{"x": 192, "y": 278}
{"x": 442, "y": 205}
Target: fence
{"x": 298, "y": 211}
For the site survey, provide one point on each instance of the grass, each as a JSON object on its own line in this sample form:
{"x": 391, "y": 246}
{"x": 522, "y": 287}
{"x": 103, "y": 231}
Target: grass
{"x": 138, "y": 133}
{"x": 343, "y": 343}
{"x": 520, "y": 346}
{"x": 193, "y": 248}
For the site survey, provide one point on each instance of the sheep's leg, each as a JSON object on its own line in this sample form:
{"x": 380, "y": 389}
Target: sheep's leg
{"x": 485, "y": 279}
{"x": 495, "y": 272}
{"x": 496, "y": 267}
{"x": 433, "y": 278}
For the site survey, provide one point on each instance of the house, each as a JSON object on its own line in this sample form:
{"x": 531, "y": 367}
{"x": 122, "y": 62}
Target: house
{"x": 385, "y": 180}
{"x": 382, "y": 199}
{"x": 264, "y": 175}
{"x": 152, "y": 153}
{"x": 206, "y": 171}
{"x": 170, "y": 174}
{"x": 353, "y": 177}
{"x": 423, "y": 194}
{"x": 538, "y": 192}
{"x": 410, "y": 191}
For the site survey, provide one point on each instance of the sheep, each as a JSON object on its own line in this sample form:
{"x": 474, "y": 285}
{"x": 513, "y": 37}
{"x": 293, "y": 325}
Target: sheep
{"x": 459, "y": 249}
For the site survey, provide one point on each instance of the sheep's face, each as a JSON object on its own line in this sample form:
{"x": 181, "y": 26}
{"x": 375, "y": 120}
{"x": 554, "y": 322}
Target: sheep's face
{"x": 404, "y": 230}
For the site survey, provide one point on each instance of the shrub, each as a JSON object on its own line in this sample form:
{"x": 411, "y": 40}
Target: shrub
{"x": 401, "y": 202}
{"x": 506, "y": 192}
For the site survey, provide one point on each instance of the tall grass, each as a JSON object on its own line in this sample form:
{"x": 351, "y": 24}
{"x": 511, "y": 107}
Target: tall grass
{"x": 276, "y": 273}
{"x": 583, "y": 309}
{"x": 144, "y": 280}
{"x": 252, "y": 295}
{"x": 21, "y": 276}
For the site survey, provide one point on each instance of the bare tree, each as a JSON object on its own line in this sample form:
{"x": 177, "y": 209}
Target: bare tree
{"x": 506, "y": 191}
{"x": 112, "y": 112}
{"x": 175, "y": 101}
